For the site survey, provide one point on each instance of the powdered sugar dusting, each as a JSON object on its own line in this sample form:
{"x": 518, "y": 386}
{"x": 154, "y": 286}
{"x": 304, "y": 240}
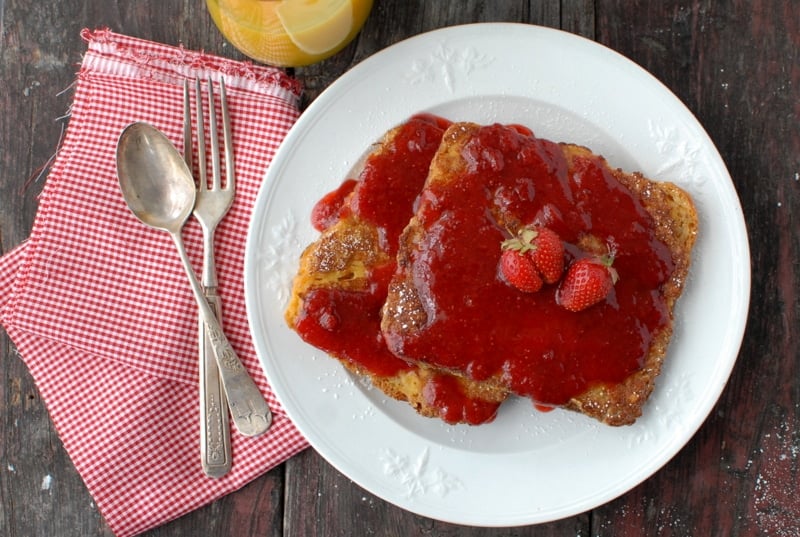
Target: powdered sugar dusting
{"x": 776, "y": 490}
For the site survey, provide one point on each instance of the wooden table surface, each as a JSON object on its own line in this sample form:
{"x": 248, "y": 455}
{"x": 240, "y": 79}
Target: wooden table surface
{"x": 734, "y": 63}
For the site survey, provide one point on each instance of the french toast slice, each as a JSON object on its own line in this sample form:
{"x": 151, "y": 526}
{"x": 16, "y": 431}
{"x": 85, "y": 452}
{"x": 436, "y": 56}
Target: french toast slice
{"x": 449, "y": 308}
{"x": 343, "y": 276}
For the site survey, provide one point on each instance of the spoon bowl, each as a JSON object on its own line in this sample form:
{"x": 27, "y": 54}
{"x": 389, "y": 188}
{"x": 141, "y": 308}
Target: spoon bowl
{"x": 155, "y": 180}
{"x": 159, "y": 189}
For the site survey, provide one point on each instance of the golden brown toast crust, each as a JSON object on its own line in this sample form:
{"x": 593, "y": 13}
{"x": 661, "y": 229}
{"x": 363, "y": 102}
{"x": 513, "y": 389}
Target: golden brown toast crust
{"x": 675, "y": 225}
{"x": 675, "y": 219}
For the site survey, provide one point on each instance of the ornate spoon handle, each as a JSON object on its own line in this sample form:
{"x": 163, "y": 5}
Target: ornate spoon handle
{"x": 249, "y": 411}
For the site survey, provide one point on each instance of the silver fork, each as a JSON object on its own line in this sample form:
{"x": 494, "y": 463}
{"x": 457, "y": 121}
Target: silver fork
{"x": 219, "y": 380}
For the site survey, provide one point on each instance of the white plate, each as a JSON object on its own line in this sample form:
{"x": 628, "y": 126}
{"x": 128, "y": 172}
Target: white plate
{"x": 526, "y": 467}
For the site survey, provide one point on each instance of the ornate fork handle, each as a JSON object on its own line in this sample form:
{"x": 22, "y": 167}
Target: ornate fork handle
{"x": 215, "y": 448}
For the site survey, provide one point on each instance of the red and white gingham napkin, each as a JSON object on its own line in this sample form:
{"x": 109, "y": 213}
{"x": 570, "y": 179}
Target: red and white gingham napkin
{"x": 98, "y": 304}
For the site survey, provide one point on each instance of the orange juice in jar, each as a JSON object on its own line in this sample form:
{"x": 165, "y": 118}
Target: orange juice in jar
{"x": 289, "y": 33}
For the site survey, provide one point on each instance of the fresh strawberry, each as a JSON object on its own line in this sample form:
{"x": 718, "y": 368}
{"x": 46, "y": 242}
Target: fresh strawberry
{"x": 520, "y": 271}
{"x": 543, "y": 248}
{"x": 587, "y": 282}
{"x": 548, "y": 255}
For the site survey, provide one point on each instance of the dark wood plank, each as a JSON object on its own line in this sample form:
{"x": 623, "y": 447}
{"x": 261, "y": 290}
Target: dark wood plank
{"x": 734, "y": 63}
{"x": 578, "y": 17}
{"x": 736, "y": 66}
{"x": 41, "y": 491}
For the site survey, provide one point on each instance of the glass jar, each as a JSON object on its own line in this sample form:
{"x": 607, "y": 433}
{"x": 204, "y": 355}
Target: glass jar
{"x": 289, "y": 33}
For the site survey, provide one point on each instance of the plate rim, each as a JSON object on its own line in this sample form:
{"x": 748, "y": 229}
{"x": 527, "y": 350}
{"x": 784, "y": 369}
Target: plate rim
{"x": 313, "y": 114}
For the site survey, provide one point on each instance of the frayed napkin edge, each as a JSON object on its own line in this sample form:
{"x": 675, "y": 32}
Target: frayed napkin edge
{"x": 175, "y": 62}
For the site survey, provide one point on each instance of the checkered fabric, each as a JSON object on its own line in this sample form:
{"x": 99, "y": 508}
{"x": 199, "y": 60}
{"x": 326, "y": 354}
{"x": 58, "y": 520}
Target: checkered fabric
{"x": 98, "y": 304}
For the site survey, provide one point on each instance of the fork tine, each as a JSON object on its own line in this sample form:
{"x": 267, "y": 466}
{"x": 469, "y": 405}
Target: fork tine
{"x": 214, "y": 138}
{"x": 230, "y": 181}
{"x": 187, "y": 126}
{"x": 201, "y": 137}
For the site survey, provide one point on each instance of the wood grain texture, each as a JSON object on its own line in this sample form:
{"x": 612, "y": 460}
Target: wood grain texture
{"x": 736, "y": 66}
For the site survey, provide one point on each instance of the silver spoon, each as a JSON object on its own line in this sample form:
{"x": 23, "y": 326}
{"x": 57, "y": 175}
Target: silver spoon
{"x": 160, "y": 191}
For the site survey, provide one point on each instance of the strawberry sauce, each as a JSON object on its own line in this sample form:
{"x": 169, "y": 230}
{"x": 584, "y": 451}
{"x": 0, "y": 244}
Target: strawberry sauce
{"x": 479, "y": 324}
{"x": 347, "y": 323}
{"x": 327, "y": 210}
